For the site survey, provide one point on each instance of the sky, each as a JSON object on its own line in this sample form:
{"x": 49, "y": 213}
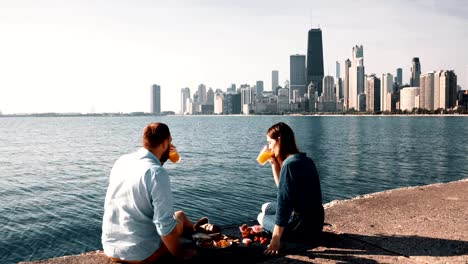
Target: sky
{"x": 104, "y": 55}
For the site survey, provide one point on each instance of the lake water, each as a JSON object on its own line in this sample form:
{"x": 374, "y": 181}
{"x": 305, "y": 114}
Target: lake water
{"x": 54, "y": 170}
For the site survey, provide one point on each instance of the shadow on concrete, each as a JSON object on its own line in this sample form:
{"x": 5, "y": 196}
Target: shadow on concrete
{"x": 352, "y": 248}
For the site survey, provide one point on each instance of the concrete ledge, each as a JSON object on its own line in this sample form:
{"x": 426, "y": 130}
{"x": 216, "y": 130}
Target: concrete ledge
{"x": 425, "y": 224}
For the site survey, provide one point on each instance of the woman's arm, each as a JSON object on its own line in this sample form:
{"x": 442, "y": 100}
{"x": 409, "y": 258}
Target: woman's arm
{"x": 275, "y": 168}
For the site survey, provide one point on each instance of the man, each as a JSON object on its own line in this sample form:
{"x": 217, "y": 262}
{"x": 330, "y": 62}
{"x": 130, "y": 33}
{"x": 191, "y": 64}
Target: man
{"x": 139, "y": 223}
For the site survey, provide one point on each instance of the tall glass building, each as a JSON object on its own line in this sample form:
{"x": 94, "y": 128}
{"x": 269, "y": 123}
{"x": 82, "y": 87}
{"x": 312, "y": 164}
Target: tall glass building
{"x": 399, "y": 75}
{"x": 415, "y": 72}
{"x": 155, "y": 99}
{"x": 184, "y": 96}
{"x": 297, "y": 75}
{"x": 315, "y": 59}
{"x": 274, "y": 80}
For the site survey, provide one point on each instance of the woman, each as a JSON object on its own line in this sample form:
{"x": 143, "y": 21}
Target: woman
{"x": 298, "y": 212}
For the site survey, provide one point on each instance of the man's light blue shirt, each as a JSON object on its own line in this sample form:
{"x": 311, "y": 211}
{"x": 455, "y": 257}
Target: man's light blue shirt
{"x": 139, "y": 207}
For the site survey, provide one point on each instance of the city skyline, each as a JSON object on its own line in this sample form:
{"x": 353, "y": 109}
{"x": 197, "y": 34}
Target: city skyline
{"x": 82, "y": 56}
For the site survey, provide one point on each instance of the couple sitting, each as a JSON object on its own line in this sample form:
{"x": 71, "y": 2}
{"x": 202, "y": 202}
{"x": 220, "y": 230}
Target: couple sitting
{"x": 140, "y": 224}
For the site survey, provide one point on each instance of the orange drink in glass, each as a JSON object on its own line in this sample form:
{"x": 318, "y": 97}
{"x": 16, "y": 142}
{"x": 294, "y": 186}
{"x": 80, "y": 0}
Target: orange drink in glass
{"x": 174, "y": 155}
{"x": 264, "y": 156}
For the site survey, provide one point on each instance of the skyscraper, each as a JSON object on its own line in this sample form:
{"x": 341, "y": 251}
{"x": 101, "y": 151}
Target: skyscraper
{"x": 337, "y": 71}
{"x": 386, "y": 88}
{"x": 415, "y": 73}
{"x": 328, "y": 89}
{"x": 210, "y": 97}
{"x": 399, "y": 76}
{"x": 373, "y": 93}
{"x": 426, "y": 91}
{"x": 445, "y": 89}
{"x": 297, "y": 75}
{"x": 274, "y": 80}
{"x": 315, "y": 59}
{"x": 201, "y": 94}
{"x": 346, "y": 85}
{"x": 338, "y": 82}
{"x": 259, "y": 87}
{"x": 155, "y": 99}
{"x": 184, "y": 95}
{"x": 408, "y": 97}
{"x": 356, "y": 77}
{"x": 247, "y": 98}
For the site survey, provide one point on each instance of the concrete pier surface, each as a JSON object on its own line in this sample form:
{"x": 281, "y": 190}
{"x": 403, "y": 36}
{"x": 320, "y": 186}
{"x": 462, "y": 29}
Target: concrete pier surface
{"x": 424, "y": 224}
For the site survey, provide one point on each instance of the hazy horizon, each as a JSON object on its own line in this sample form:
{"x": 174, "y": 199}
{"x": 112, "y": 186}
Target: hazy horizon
{"x": 83, "y": 56}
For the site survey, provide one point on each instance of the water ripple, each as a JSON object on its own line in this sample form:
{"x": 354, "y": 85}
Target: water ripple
{"x": 54, "y": 171}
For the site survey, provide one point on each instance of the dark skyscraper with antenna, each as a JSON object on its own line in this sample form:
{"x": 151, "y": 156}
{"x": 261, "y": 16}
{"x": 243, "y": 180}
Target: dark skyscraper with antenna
{"x": 315, "y": 59}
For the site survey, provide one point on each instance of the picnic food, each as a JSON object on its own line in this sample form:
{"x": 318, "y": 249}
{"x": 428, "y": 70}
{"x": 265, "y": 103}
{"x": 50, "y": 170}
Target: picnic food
{"x": 253, "y": 234}
{"x": 207, "y": 228}
{"x": 214, "y": 241}
{"x": 222, "y": 243}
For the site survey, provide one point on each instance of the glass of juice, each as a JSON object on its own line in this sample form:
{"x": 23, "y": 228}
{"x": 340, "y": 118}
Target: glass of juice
{"x": 264, "y": 155}
{"x": 174, "y": 155}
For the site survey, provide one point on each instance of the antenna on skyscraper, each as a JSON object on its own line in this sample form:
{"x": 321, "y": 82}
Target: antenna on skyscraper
{"x": 311, "y": 25}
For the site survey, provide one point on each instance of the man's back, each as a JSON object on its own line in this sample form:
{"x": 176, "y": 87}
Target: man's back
{"x": 138, "y": 207}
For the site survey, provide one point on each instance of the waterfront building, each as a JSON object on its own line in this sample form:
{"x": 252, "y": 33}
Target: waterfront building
{"x": 399, "y": 77}
{"x": 247, "y": 98}
{"x": 210, "y": 97}
{"x": 337, "y": 70}
{"x": 409, "y": 98}
{"x": 426, "y": 92}
{"x": 184, "y": 96}
{"x": 297, "y": 74}
{"x": 328, "y": 94}
{"x": 296, "y": 98}
{"x": 201, "y": 94}
{"x": 386, "y": 88}
{"x": 283, "y": 100}
{"x": 274, "y": 80}
{"x": 232, "y": 104}
{"x": 347, "y": 66}
{"x": 189, "y": 107}
{"x": 362, "y": 102}
{"x": 259, "y": 89}
{"x": 462, "y": 99}
{"x": 415, "y": 72}
{"x": 373, "y": 93}
{"x": 218, "y": 103}
{"x": 315, "y": 71}
{"x": 312, "y": 97}
{"x": 339, "y": 89}
{"x": 445, "y": 89}
{"x": 231, "y": 89}
{"x": 207, "y": 109}
{"x": 155, "y": 104}
{"x": 356, "y": 76}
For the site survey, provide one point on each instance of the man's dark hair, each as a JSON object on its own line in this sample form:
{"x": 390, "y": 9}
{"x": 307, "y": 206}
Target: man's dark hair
{"x": 154, "y": 134}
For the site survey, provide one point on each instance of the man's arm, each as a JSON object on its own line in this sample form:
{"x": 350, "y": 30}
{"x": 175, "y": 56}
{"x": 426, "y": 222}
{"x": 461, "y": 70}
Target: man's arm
{"x": 172, "y": 240}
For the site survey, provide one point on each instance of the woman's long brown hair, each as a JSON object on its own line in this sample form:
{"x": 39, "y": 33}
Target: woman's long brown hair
{"x": 287, "y": 142}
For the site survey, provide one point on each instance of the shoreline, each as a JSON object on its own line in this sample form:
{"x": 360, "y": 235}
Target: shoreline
{"x": 425, "y": 223}
{"x": 234, "y": 115}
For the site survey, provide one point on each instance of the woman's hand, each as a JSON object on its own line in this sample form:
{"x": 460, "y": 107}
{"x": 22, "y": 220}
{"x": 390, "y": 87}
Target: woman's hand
{"x": 273, "y": 247}
{"x": 274, "y": 162}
